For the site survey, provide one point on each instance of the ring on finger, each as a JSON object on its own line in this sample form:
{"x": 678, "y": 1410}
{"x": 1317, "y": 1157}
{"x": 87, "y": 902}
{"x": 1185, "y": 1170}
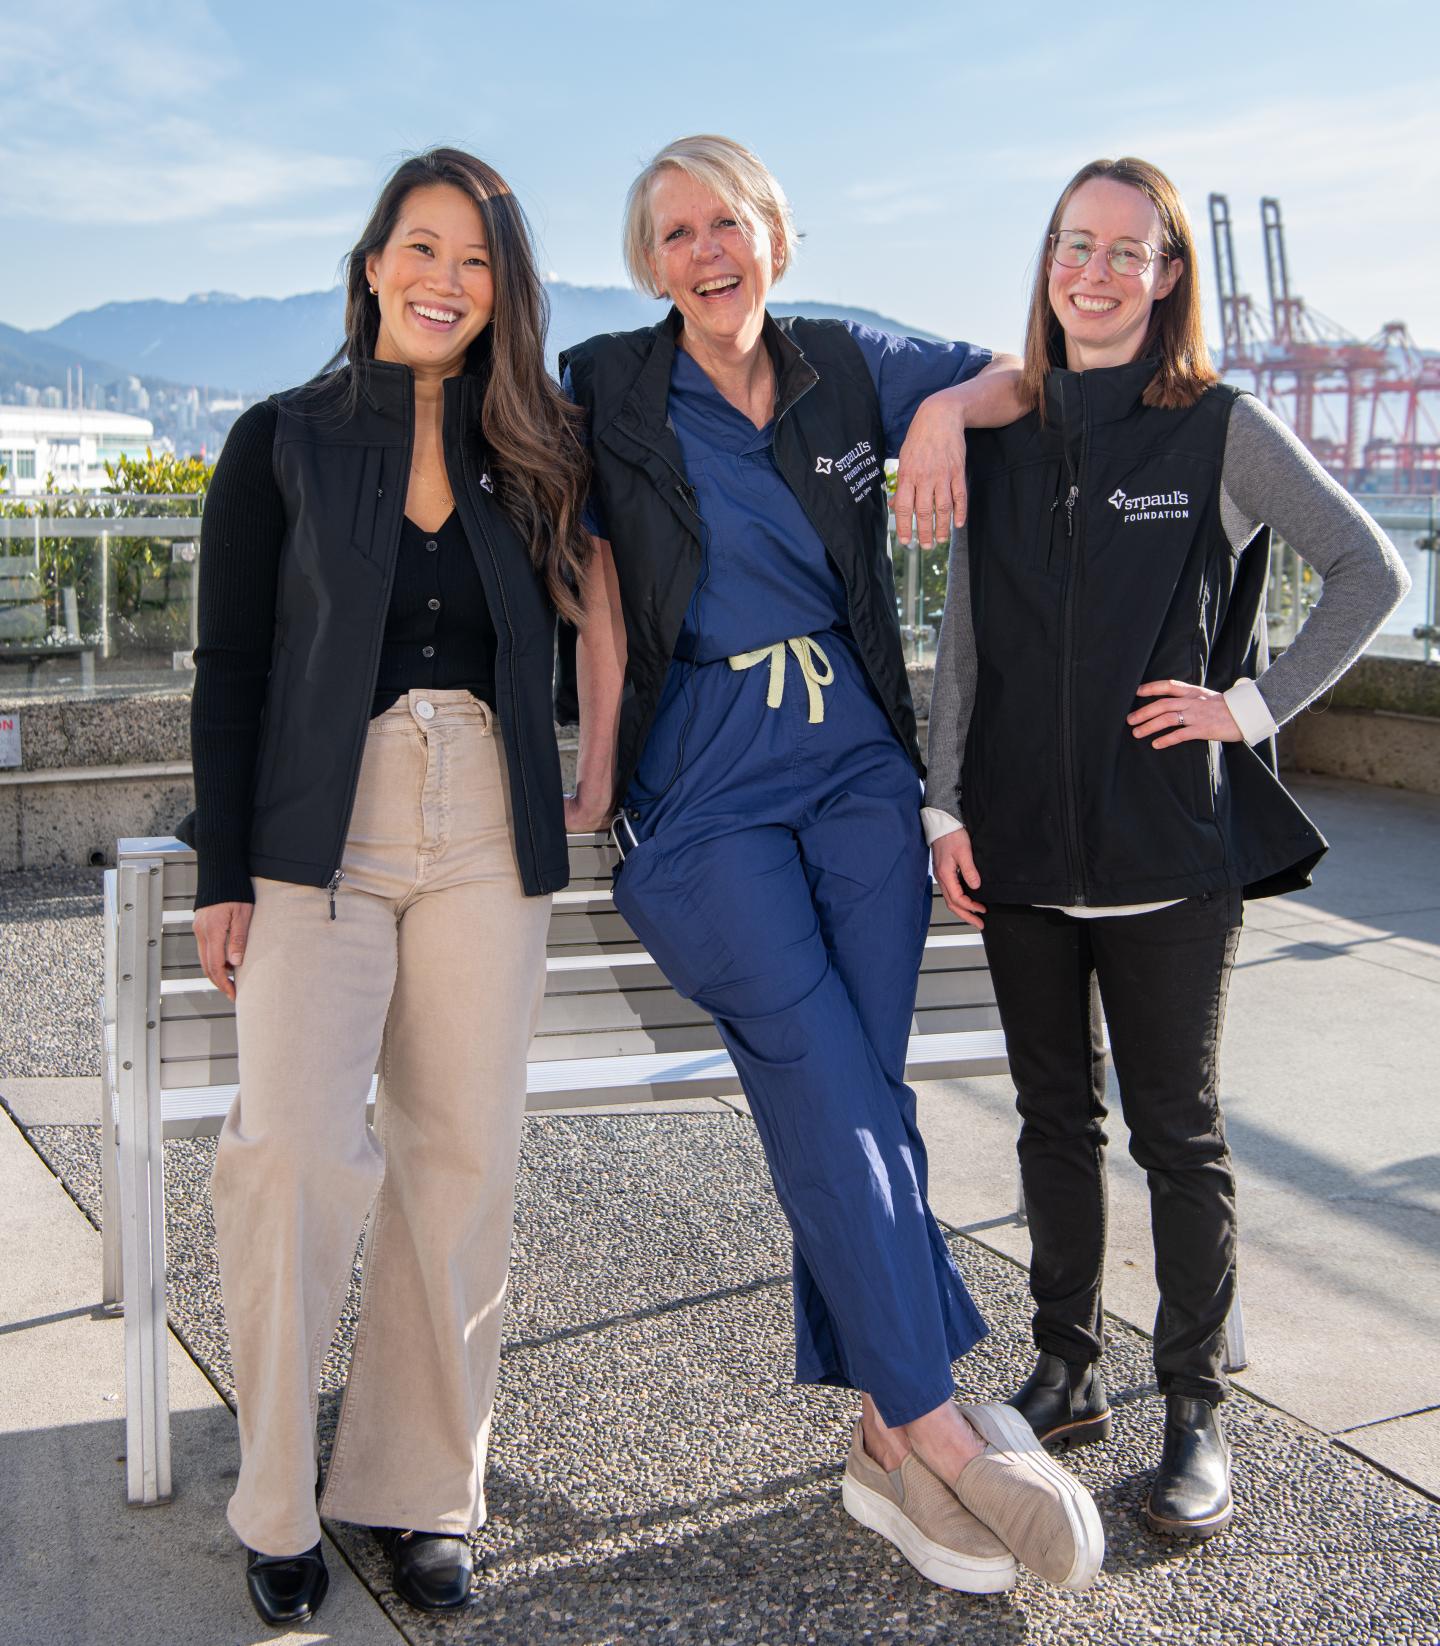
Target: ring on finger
{"x": 1179, "y": 718}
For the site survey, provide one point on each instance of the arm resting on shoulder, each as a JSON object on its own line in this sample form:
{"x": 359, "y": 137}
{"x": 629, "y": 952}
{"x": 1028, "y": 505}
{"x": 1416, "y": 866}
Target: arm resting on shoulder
{"x": 930, "y": 481}
{"x": 989, "y": 400}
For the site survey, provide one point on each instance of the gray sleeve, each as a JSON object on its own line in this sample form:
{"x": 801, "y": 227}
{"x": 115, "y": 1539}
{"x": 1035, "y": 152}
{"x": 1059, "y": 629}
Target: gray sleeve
{"x": 1269, "y": 476}
{"x": 952, "y": 698}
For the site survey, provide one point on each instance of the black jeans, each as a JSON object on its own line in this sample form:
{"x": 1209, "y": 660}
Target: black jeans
{"x": 1162, "y": 980}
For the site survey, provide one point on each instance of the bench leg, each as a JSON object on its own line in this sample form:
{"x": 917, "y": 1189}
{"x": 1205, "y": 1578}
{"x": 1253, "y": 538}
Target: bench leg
{"x": 112, "y": 1291}
{"x": 112, "y": 1284}
{"x": 1022, "y": 1217}
{"x": 142, "y": 1190}
{"x": 1236, "y": 1359}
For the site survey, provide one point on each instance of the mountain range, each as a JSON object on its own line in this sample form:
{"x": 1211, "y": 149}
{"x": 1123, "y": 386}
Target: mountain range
{"x": 255, "y": 345}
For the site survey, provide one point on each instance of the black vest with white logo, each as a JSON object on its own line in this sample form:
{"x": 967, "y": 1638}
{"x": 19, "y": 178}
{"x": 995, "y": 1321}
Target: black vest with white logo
{"x": 344, "y": 474}
{"x": 1098, "y": 561}
{"x": 826, "y": 408}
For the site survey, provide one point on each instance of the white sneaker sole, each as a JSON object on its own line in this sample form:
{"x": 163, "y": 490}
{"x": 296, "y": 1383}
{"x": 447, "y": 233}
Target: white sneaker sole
{"x": 1004, "y": 1426}
{"x": 972, "y": 1574}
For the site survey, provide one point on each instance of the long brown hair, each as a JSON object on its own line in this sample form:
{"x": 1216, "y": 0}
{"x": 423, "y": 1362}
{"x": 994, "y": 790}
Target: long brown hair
{"x": 537, "y": 452}
{"x": 1176, "y": 335}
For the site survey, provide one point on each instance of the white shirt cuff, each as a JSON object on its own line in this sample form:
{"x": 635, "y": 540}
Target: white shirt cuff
{"x": 937, "y": 823}
{"x": 1250, "y": 712}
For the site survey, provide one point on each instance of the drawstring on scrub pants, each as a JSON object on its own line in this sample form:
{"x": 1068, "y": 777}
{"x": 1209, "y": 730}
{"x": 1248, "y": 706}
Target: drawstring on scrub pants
{"x": 808, "y": 655}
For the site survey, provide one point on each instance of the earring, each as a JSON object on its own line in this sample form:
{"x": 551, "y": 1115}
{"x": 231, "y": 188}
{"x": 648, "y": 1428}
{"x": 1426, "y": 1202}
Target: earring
{"x": 374, "y": 291}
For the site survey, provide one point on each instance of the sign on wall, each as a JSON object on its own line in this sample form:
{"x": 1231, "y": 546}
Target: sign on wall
{"x": 9, "y": 738}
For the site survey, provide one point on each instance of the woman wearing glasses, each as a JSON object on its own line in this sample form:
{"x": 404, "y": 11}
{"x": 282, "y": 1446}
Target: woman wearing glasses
{"x": 1102, "y": 722}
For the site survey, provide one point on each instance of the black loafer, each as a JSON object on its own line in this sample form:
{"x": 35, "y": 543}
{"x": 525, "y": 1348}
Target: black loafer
{"x": 1065, "y": 1405}
{"x": 430, "y": 1570}
{"x": 1191, "y": 1493}
{"x": 286, "y": 1589}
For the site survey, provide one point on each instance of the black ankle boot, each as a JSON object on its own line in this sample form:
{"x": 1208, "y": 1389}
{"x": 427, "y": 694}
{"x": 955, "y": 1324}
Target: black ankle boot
{"x": 1065, "y": 1405}
{"x": 1191, "y": 1493}
{"x": 286, "y": 1589}
{"x": 430, "y": 1570}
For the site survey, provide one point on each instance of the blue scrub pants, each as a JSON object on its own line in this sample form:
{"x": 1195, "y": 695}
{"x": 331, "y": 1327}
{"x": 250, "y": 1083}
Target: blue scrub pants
{"x": 780, "y": 881}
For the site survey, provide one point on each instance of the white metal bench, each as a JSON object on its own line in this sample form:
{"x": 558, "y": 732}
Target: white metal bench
{"x": 612, "y": 1030}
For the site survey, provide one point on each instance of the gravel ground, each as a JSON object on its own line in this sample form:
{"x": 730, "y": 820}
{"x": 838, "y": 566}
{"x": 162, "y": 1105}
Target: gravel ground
{"x": 51, "y": 947}
{"x": 656, "y": 1477}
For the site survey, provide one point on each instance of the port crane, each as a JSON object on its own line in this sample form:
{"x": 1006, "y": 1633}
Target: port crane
{"x": 1369, "y": 409}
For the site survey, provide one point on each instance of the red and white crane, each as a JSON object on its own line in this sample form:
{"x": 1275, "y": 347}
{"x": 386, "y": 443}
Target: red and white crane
{"x": 1368, "y": 409}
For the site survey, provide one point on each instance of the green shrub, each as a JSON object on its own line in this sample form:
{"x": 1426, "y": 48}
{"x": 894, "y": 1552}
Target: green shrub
{"x": 149, "y": 594}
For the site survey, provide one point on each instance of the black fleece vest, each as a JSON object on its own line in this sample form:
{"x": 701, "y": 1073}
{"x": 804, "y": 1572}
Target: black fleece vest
{"x": 1079, "y": 596}
{"x": 344, "y": 480}
{"x": 829, "y": 446}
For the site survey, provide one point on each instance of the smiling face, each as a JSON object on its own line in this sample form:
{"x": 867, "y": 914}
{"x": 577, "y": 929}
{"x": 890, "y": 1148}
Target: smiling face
{"x": 712, "y": 265}
{"x": 1104, "y": 315}
{"x": 435, "y": 289}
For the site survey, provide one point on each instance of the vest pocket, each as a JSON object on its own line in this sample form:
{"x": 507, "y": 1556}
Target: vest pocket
{"x": 367, "y": 502}
{"x": 272, "y": 727}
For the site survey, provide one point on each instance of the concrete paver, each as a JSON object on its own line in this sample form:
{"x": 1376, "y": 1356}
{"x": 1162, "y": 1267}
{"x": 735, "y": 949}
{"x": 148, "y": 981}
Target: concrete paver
{"x": 1402, "y": 942}
{"x": 80, "y": 1566}
{"x": 62, "y": 1101}
{"x": 1410, "y": 1446}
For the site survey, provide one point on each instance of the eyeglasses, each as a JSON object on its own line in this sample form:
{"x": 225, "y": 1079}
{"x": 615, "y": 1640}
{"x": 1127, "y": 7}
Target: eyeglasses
{"x": 1073, "y": 249}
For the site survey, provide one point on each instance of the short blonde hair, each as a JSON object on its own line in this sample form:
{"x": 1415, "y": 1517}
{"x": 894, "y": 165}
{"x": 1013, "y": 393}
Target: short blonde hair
{"x": 731, "y": 172}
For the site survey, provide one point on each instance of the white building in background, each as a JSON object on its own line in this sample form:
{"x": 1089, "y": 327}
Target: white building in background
{"x": 74, "y": 446}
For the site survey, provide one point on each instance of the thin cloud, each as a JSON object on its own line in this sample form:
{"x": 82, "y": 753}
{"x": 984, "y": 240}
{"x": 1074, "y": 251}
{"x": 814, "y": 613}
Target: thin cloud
{"x": 341, "y": 227}
{"x": 65, "y": 94}
{"x": 1362, "y": 134}
{"x": 195, "y": 176}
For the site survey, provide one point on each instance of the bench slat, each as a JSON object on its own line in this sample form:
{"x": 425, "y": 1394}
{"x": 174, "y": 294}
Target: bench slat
{"x": 576, "y": 1083}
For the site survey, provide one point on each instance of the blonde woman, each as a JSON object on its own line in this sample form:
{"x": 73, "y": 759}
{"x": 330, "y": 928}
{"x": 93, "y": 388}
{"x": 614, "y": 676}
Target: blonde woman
{"x": 774, "y": 862}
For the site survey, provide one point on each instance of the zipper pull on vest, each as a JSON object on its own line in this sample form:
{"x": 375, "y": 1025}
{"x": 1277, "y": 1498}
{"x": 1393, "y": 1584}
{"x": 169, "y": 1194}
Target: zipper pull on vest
{"x": 1071, "y": 498}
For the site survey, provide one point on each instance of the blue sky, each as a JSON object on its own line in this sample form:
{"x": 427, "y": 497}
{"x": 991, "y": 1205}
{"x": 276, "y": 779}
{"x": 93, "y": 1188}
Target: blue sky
{"x": 158, "y": 149}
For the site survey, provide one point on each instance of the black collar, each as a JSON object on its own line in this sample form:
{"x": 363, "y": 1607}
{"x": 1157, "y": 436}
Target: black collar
{"x": 1107, "y": 394}
{"x": 388, "y": 387}
{"x": 644, "y": 407}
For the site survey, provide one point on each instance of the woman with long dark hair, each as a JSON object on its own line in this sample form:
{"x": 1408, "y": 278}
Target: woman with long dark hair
{"x": 1103, "y": 710}
{"x": 379, "y": 822}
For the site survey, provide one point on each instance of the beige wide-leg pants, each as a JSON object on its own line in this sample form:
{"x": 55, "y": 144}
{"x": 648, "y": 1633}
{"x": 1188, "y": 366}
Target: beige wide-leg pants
{"x": 433, "y": 967}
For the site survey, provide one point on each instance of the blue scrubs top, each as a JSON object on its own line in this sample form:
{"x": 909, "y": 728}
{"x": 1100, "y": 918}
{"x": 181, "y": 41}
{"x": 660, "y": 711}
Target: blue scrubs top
{"x": 766, "y": 575}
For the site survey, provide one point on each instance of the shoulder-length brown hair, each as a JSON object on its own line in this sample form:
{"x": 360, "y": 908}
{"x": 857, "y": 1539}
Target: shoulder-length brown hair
{"x": 536, "y": 447}
{"x": 1177, "y": 331}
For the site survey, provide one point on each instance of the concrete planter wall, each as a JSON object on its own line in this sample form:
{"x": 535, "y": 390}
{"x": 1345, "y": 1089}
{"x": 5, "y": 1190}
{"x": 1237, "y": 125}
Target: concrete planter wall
{"x": 1380, "y": 724}
{"x": 93, "y": 769}
{"x": 96, "y": 768}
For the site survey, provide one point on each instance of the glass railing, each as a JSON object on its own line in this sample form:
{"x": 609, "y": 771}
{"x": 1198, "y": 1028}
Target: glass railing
{"x": 1411, "y": 631}
{"x": 97, "y": 593}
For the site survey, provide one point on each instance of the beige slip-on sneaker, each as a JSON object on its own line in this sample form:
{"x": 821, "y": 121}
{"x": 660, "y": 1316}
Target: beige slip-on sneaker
{"x": 917, "y": 1512}
{"x": 1043, "y": 1515}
